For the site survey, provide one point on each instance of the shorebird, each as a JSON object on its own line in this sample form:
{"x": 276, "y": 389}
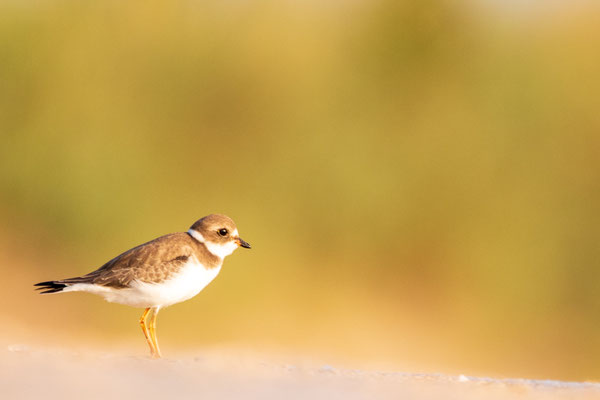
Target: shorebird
{"x": 165, "y": 271}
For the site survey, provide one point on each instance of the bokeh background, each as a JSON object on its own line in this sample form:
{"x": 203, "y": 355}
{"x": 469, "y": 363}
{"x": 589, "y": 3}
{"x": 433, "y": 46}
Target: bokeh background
{"x": 420, "y": 180}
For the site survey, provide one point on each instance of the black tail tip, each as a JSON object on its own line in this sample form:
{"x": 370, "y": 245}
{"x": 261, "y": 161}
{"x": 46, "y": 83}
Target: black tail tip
{"x": 50, "y": 287}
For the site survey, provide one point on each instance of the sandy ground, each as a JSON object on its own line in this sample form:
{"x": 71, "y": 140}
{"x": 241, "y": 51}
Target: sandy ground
{"x": 34, "y": 372}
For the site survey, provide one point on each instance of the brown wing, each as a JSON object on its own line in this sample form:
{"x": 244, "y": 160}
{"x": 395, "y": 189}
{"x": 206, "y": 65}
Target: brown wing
{"x": 151, "y": 262}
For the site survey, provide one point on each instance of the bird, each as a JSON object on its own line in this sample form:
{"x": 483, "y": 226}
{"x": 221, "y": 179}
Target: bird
{"x": 162, "y": 272}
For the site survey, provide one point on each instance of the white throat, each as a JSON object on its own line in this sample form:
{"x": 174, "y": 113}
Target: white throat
{"x": 219, "y": 250}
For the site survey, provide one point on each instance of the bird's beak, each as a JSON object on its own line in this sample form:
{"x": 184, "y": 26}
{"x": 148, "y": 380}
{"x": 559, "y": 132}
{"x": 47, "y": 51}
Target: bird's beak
{"x": 241, "y": 242}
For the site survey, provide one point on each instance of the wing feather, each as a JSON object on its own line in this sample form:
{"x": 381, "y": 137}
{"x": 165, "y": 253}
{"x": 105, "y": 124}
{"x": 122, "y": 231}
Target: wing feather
{"x": 151, "y": 262}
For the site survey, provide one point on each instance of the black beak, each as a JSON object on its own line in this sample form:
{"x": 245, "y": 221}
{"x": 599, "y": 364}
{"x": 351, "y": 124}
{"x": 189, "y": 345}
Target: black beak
{"x": 241, "y": 242}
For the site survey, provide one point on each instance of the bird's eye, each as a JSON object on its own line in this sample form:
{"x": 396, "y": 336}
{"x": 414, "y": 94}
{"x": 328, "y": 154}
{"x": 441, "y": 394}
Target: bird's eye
{"x": 223, "y": 232}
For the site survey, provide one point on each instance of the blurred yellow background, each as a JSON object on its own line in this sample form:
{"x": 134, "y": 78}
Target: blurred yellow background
{"x": 420, "y": 180}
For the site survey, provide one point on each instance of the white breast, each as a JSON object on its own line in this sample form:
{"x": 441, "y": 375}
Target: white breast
{"x": 189, "y": 281}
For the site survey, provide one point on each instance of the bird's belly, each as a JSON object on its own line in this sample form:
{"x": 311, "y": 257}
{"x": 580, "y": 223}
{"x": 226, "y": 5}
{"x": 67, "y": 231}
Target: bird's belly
{"x": 189, "y": 281}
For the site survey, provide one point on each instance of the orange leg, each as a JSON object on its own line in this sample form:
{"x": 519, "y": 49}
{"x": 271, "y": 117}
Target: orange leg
{"x": 152, "y": 330}
{"x": 145, "y": 330}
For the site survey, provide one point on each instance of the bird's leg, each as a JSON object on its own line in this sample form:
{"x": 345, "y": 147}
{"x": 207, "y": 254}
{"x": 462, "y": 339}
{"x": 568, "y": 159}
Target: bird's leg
{"x": 153, "y": 332}
{"x": 145, "y": 330}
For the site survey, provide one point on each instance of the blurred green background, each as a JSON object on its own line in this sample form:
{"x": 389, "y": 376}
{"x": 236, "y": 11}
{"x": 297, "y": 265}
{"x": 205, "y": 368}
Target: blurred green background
{"x": 420, "y": 180}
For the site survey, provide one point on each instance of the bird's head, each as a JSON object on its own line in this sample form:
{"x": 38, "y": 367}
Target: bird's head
{"x": 218, "y": 233}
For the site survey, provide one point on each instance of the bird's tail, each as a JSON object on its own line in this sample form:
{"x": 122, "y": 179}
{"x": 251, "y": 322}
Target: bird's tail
{"x": 50, "y": 287}
{"x": 60, "y": 286}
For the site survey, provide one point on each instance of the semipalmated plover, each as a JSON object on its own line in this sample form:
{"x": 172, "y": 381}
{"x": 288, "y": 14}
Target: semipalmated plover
{"x": 167, "y": 270}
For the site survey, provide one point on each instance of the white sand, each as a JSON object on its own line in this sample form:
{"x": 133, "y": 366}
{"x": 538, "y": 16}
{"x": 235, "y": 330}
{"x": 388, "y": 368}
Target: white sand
{"x": 27, "y": 373}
